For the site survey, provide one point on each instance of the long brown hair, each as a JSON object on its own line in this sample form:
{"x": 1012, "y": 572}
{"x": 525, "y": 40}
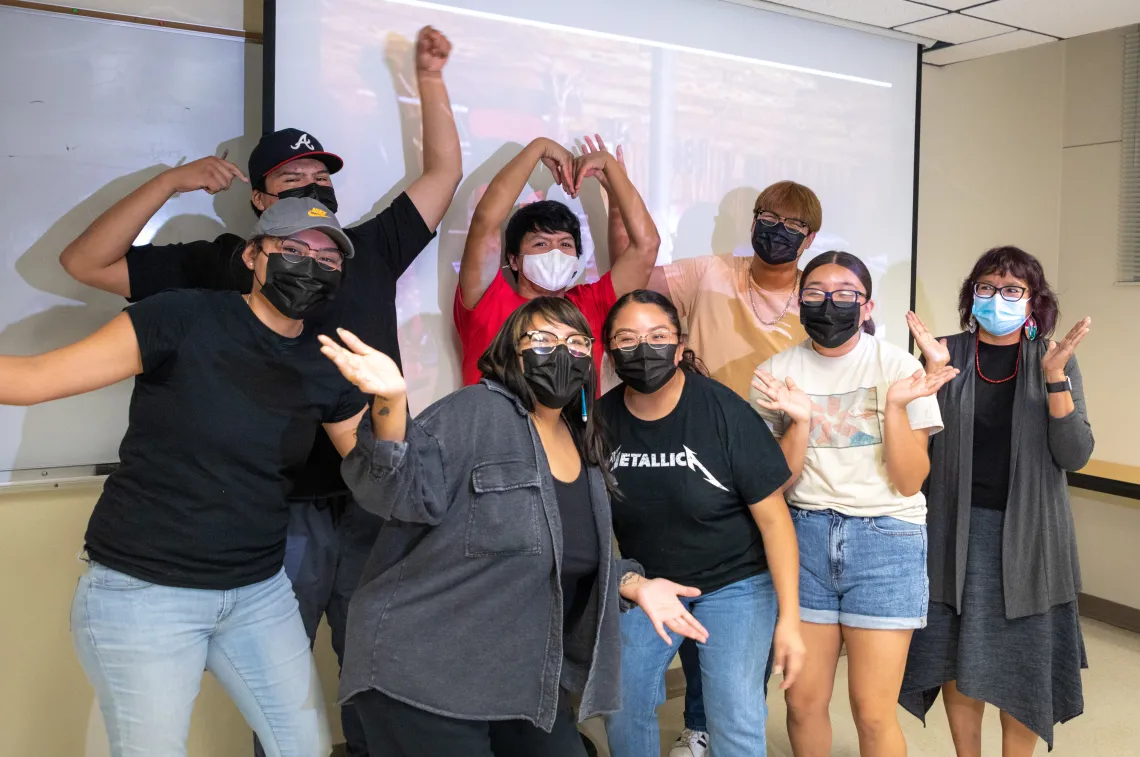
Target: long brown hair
{"x": 501, "y": 364}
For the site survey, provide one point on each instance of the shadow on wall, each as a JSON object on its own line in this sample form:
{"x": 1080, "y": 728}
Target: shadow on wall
{"x": 65, "y": 324}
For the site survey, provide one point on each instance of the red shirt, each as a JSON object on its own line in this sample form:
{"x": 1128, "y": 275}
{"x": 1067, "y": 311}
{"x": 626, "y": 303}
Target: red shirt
{"x": 478, "y": 327}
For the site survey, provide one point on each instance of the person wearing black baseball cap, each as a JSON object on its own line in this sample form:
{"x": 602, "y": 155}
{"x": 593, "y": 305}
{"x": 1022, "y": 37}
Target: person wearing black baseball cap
{"x": 187, "y": 542}
{"x": 330, "y": 536}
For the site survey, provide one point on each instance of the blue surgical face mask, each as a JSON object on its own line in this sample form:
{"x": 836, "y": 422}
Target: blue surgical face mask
{"x": 999, "y": 316}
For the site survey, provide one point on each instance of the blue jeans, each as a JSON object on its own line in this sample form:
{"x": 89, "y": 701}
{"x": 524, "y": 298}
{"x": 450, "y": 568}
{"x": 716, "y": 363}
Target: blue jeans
{"x": 327, "y": 547}
{"x": 144, "y": 647}
{"x": 740, "y": 619}
{"x": 861, "y": 572}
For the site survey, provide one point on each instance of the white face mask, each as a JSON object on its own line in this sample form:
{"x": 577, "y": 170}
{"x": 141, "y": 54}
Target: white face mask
{"x": 553, "y": 271}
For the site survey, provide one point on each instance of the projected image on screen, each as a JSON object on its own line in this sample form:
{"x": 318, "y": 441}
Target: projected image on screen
{"x": 703, "y": 131}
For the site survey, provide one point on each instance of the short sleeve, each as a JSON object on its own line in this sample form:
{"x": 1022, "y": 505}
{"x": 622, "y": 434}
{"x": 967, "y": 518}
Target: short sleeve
{"x": 397, "y": 235}
{"x": 774, "y": 419}
{"x": 758, "y": 464}
{"x": 922, "y": 412}
{"x": 350, "y": 402}
{"x": 684, "y": 280}
{"x": 162, "y": 323}
{"x": 194, "y": 265}
{"x": 595, "y": 301}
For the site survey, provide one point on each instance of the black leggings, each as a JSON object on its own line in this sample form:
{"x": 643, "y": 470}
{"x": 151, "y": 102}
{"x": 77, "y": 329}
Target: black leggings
{"x": 395, "y": 729}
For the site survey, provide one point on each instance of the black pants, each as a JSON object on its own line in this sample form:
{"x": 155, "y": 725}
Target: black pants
{"x": 328, "y": 544}
{"x": 395, "y": 729}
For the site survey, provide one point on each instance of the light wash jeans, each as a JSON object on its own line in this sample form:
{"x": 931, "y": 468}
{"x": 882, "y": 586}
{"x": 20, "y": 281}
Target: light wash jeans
{"x": 144, "y": 647}
{"x": 740, "y": 619}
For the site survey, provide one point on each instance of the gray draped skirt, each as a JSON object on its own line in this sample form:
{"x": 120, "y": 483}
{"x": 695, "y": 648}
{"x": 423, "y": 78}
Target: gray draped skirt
{"x": 1028, "y": 667}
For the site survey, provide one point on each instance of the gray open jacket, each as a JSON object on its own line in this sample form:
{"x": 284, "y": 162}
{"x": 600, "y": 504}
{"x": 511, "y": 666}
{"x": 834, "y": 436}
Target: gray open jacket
{"x": 1039, "y": 547}
{"x": 459, "y": 611}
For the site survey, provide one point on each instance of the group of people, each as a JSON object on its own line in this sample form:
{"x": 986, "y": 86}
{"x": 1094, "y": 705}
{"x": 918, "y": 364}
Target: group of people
{"x": 780, "y": 483}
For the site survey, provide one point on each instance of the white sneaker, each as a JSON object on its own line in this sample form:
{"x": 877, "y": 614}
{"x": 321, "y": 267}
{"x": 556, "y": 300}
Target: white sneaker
{"x": 690, "y": 744}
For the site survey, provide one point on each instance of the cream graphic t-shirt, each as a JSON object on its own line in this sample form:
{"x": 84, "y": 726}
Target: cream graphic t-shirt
{"x": 729, "y": 330}
{"x": 845, "y": 469}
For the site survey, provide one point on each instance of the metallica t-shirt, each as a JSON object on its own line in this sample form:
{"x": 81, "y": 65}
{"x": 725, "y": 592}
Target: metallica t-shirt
{"x": 686, "y": 482}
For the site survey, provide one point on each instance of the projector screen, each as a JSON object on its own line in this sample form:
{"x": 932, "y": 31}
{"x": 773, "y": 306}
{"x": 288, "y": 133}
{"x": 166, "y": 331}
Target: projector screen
{"x": 711, "y": 101}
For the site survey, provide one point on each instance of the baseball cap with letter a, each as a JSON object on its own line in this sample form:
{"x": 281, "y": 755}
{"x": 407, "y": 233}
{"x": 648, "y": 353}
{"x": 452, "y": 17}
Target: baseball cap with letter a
{"x": 283, "y": 146}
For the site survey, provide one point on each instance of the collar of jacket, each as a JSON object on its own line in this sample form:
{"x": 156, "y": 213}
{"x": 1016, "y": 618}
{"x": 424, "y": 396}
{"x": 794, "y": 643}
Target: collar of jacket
{"x": 495, "y": 386}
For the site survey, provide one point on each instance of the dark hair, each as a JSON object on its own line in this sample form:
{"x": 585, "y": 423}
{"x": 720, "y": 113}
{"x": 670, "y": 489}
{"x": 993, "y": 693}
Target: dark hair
{"x": 1013, "y": 261}
{"x": 501, "y": 364}
{"x": 852, "y": 264}
{"x": 544, "y": 215}
{"x": 689, "y": 360}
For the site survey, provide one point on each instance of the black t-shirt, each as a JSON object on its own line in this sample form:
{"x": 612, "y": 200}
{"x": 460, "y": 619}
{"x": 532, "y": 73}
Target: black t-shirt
{"x": 686, "y": 482}
{"x": 224, "y": 412}
{"x": 993, "y": 425}
{"x": 579, "y": 546}
{"x": 366, "y": 304}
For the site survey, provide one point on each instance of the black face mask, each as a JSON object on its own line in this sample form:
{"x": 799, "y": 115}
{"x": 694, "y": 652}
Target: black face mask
{"x": 644, "y": 368}
{"x": 320, "y": 192}
{"x": 556, "y": 378}
{"x": 296, "y": 289}
{"x": 775, "y": 244}
{"x": 830, "y": 326}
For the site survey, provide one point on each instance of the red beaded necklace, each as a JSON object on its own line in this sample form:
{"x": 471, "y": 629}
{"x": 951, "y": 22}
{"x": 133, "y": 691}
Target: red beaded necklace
{"x": 978, "y": 363}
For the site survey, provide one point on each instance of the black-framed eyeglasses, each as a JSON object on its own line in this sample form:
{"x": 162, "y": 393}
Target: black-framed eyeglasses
{"x": 658, "y": 339}
{"x": 543, "y": 343}
{"x": 328, "y": 258}
{"x": 1009, "y": 293}
{"x": 794, "y": 225}
{"x": 843, "y": 298}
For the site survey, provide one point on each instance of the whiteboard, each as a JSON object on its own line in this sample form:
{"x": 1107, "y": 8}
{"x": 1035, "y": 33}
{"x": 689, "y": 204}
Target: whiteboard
{"x": 89, "y": 110}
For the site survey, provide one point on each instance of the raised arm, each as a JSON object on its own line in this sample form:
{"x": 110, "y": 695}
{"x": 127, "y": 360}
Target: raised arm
{"x": 632, "y": 266}
{"x": 1070, "y": 434}
{"x": 907, "y": 450}
{"x": 617, "y": 237}
{"x": 789, "y": 409}
{"x": 106, "y": 357}
{"x": 482, "y": 253}
{"x": 431, "y": 193}
{"x": 98, "y": 256}
{"x": 394, "y": 470}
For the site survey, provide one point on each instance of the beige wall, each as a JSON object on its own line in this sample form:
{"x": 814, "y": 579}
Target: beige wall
{"x": 990, "y": 169}
{"x": 1024, "y": 148}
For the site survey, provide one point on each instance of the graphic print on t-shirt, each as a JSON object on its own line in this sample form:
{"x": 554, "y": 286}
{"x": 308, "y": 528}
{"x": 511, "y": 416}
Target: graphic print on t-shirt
{"x": 845, "y": 420}
{"x": 686, "y": 459}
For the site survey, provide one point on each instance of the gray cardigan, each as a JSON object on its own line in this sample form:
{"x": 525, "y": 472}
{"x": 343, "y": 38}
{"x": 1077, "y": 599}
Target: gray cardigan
{"x": 459, "y": 610}
{"x": 1039, "y": 548}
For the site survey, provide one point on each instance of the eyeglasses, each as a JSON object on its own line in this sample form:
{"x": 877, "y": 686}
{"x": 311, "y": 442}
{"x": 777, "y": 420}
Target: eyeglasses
{"x": 328, "y": 258}
{"x": 843, "y": 298}
{"x": 658, "y": 339}
{"x": 794, "y": 225}
{"x": 1008, "y": 293}
{"x": 543, "y": 343}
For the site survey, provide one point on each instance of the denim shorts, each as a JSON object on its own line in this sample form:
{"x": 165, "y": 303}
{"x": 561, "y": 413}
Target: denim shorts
{"x": 861, "y": 572}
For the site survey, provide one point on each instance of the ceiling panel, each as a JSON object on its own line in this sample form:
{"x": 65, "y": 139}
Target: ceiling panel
{"x": 956, "y": 28}
{"x": 885, "y": 13}
{"x": 1000, "y": 44}
{"x": 1061, "y": 18}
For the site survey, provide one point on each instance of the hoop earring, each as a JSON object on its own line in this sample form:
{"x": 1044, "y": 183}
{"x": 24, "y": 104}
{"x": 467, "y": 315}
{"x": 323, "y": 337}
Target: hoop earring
{"x": 972, "y": 324}
{"x": 1031, "y": 329}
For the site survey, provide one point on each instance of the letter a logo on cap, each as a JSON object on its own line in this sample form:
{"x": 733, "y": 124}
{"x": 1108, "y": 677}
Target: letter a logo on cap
{"x": 304, "y": 140}
{"x": 318, "y": 213}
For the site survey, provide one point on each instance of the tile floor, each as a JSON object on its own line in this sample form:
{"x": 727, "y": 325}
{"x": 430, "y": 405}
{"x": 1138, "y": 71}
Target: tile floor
{"x": 1110, "y": 726}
